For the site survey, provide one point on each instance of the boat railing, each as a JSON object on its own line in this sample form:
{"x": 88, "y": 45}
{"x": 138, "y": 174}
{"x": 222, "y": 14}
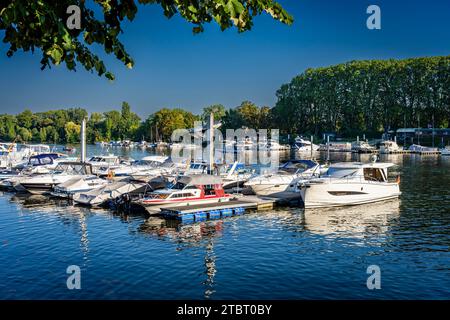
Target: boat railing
{"x": 349, "y": 179}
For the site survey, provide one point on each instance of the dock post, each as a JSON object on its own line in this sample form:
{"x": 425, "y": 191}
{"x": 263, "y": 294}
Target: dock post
{"x": 328, "y": 148}
{"x": 83, "y": 140}
{"x": 211, "y": 143}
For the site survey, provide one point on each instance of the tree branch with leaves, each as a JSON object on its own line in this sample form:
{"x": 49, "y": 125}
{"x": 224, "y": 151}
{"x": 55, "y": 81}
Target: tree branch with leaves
{"x": 31, "y": 25}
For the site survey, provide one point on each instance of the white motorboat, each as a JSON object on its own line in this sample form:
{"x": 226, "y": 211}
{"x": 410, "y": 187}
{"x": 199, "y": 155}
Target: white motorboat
{"x": 235, "y": 175}
{"x": 76, "y": 185}
{"x": 104, "y": 161}
{"x": 142, "y": 144}
{"x": 108, "y": 192}
{"x": 197, "y": 168}
{"x": 362, "y": 147}
{"x": 36, "y": 165}
{"x": 336, "y": 146}
{"x": 43, "y": 163}
{"x": 388, "y": 146}
{"x": 273, "y": 145}
{"x": 445, "y": 151}
{"x": 166, "y": 169}
{"x": 283, "y": 181}
{"x": 303, "y": 145}
{"x": 246, "y": 144}
{"x": 44, "y": 183}
{"x": 350, "y": 183}
{"x": 103, "y": 165}
{"x": 11, "y": 156}
{"x": 188, "y": 190}
{"x": 418, "y": 148}
{"x": 135, "y": 167}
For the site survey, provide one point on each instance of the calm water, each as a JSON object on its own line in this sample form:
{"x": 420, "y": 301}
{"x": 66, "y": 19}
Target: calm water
{"x": 281, "y": 254}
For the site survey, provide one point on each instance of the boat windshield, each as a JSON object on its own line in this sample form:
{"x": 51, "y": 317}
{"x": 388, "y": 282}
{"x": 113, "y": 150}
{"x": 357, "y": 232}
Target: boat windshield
{"x": 197, "y": 166}
{"x": 150, "y": 163}
{"x": 295, "y": 167}
{"x": 177, "y": 186}
{"x": 341, "y": 172}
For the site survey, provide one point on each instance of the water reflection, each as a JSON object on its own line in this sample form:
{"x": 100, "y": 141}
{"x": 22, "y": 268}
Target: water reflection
{"x": 61, "y": 208}
{"x": 186, "y": 236}
{"x": 354, "y": 221}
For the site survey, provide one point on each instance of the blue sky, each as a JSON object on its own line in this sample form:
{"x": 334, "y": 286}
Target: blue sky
{"x": 175, "y": 68}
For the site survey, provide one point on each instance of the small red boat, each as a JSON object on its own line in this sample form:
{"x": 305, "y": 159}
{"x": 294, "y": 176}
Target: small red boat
{"x": 188, "y": 190}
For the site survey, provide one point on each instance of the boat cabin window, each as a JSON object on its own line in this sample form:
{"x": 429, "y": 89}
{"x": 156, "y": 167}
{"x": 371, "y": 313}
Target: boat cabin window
{"x": 209, "y": 189}
{"x": 198, "y": 166}
{"x": 373, "y": 174}
{"x": 181, "y": 195}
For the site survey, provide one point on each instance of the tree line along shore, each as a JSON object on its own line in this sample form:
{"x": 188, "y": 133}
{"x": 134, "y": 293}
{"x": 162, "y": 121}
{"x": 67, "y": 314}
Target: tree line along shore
{"x": 370, "y": 97}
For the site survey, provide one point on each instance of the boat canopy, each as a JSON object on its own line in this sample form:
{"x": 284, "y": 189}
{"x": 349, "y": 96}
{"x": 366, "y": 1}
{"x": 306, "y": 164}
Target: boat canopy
{"x": 200, "y": 179}
{"x": 44, "y": 158}
{"x": 81, "y": 168}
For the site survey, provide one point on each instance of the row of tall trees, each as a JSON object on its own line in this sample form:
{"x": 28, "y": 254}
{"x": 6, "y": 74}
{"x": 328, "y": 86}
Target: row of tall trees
{"x": 366, "y": 96}
{"x": 357, "y": 97}
{"x": 63, "y": 126}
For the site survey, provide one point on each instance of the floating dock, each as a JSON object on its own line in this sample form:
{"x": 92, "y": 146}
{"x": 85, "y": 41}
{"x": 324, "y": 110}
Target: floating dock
{"x": 218, "y": 210}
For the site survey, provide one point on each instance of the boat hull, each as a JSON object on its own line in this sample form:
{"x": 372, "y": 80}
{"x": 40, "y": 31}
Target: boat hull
{"x": 271, "y": 189}
{"x": 322, "y": 195}
{"x": 177, "y": 203}
{"x": 35, "y": 188}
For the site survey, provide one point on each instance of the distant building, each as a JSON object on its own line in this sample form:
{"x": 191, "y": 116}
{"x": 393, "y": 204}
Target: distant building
{"x": 414, "y": 132}
{"x": 423, "y": 135}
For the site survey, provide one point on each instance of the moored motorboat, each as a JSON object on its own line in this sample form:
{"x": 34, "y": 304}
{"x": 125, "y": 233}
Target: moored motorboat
{"x": 388, "y": 146}
{"x": 303, "y": 145}
{"x": 108, "y": 192}
{"x": 362, "y": 147}
{"x": 76, "y": 185}
{"x": 445, "y": 151}
{"x": 44, "y": 183}
{"x": 272, "y": 145}
{"x": 350, "y": 183}
{"x": 235, "y": 175}
{"x": 188, "y": 190}
{"x": 282, "y": 181}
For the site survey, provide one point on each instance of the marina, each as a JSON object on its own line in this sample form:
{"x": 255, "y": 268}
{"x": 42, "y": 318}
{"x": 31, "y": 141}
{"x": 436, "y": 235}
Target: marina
{"x": 204, "y": 258}
{"x": 221, "y": 158}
